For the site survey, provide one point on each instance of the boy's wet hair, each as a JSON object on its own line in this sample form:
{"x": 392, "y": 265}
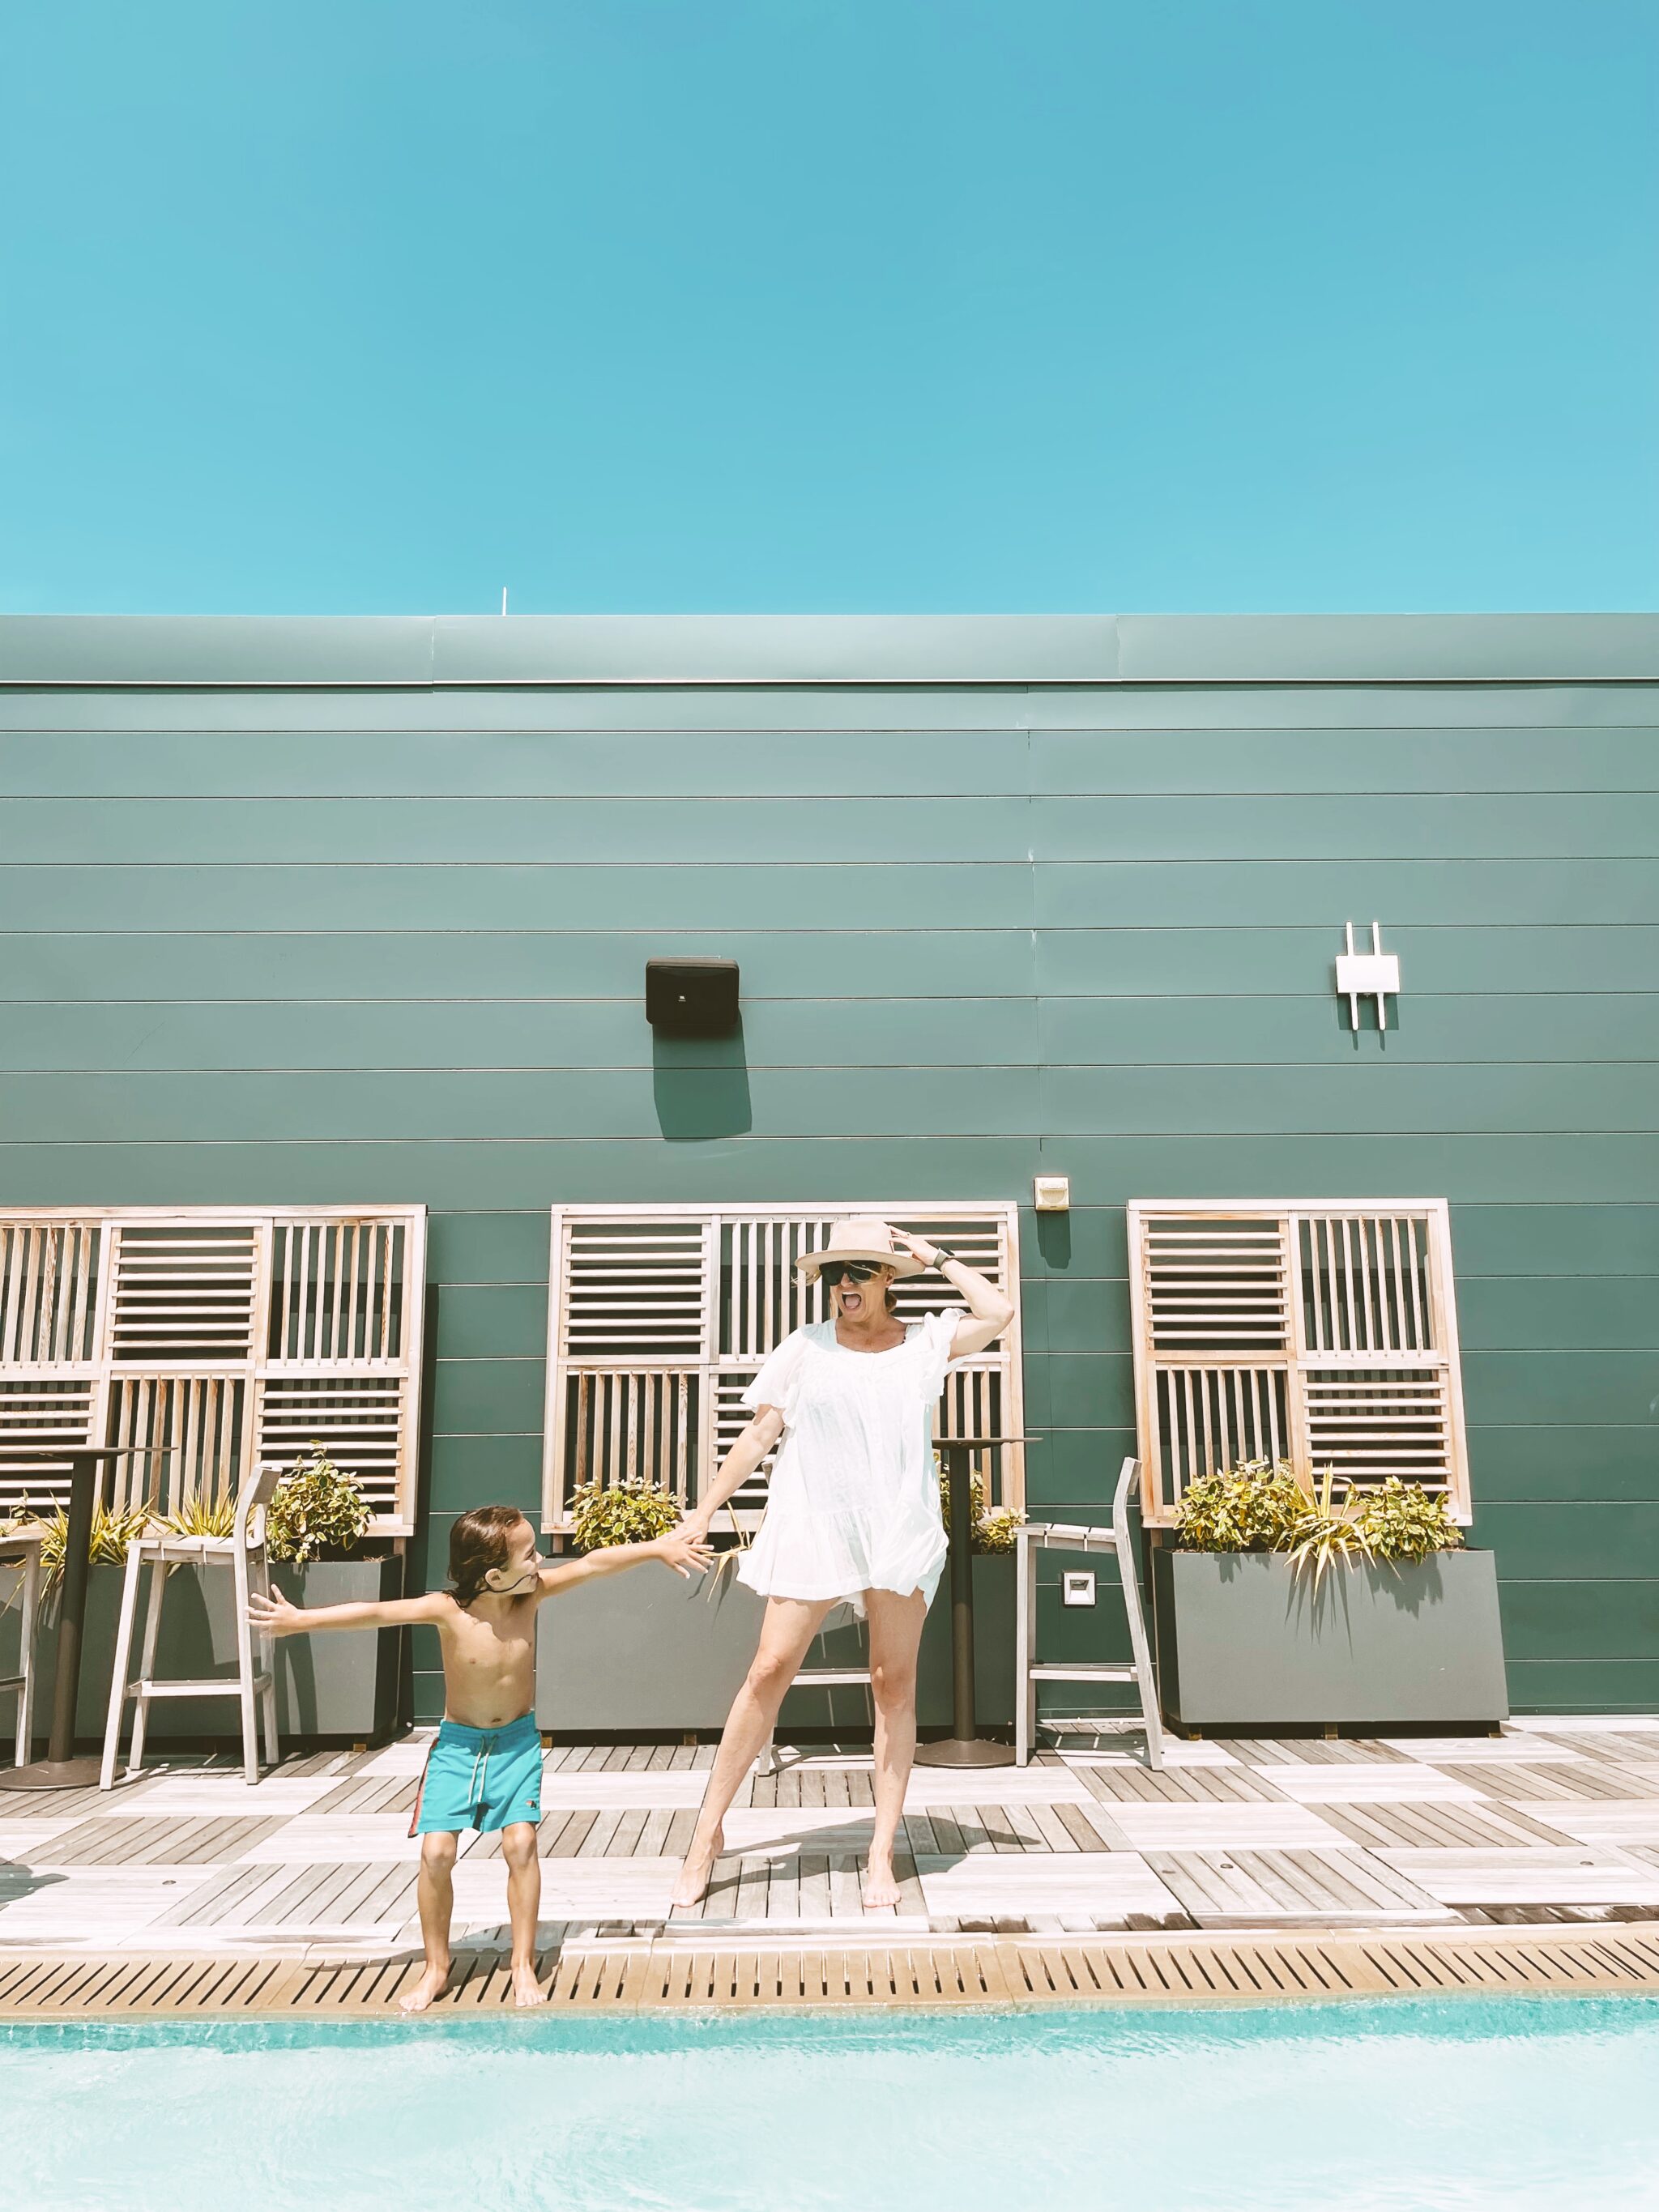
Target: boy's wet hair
{"x": 480, "y": 1541}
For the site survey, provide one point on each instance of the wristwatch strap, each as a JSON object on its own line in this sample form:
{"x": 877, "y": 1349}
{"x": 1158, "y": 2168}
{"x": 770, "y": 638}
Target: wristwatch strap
{"x": 941, "y": 1254}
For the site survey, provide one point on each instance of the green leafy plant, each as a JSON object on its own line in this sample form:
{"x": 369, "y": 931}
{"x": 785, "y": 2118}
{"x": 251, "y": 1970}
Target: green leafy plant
{"x": 992, "y": 1532}
{"x": 1401, "y": 1521}
{"x": 1252, "y": 1507}
{"x": 1330, "y": 1531}
{"x": 315, "y": 1506}
{"x": 632, "y": 1512}
{"x": 996, "y": 1532}
{"x": 113, "y": 1530}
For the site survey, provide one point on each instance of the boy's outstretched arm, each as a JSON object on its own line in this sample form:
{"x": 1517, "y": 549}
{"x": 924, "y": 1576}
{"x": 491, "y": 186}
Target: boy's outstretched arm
{"x": 275, "y": 1616}
{"x": 686, "y": 1555}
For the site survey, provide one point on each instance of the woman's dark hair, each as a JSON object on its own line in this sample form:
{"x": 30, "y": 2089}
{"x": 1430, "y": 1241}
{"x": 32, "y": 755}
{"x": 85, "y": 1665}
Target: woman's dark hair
{"x": 479, "y": 1540}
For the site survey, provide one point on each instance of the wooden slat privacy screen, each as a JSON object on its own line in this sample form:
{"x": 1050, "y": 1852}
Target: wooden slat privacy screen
{"x": 1324, "y": 1334}
{"x": 661, "y": 1316}
{"x": 217, "y": 1339}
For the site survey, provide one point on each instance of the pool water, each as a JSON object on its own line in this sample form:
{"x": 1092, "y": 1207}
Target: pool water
{"x": 1526, "y": 2104}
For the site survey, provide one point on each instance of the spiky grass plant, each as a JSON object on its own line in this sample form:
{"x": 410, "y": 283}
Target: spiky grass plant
{"x": 201, "y": 1516}
{"x": 1330, "y": 1530}
{"x": 113, "y": 1528}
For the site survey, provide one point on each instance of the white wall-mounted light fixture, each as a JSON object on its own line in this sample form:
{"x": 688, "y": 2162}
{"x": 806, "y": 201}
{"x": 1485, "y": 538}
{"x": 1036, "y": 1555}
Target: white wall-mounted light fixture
{"x": 1053, "y": 1194}
{"x": 1372, "y": 974}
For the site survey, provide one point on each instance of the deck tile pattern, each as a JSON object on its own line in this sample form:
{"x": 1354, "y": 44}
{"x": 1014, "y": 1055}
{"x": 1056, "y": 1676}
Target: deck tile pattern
{"x": 1551, "y": 1822}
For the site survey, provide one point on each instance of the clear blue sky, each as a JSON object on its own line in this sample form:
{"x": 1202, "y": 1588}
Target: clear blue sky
{"x": 374, "y": 305}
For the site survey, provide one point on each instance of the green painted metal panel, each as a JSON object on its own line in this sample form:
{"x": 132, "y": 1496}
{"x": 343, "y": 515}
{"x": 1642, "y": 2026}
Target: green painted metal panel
{"x": 1572, "y": 1538}
{"x": 1322, "y": 893}
{"x": 488, "y": 1248}
{"x": 1560, "y": 1387}
{"x": 1564, "y": 1459}
{"x": 1578, "y": 1621}
{"x": 1583, "y": 1685}
{"x": 1435, "y": 1029}
{"x": 1120, "y": 763}
{"x": 538, "y": 897}
{"x": 1552, "y": 1313}
{"x": 710, "y": 831}
{"x": 711, "y": 708}
{"x": 417, "y": 1033}
{"x": 1204, "y": 961}
{"x": 428, "y": 966}
{"x": 494, "y": 1321}
{"x": 487, "y": 1397}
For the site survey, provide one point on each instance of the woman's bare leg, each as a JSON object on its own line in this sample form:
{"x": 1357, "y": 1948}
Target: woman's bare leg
{"x": 895, "y": 1638}
{"x": 786, "y": 1632}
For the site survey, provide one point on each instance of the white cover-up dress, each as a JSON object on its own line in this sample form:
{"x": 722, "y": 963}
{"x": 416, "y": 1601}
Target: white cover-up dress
{"x": 853, "y": 1503}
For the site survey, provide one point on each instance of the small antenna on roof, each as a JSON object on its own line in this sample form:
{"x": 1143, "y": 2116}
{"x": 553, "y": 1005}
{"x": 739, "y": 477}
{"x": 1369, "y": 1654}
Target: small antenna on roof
{"x": 503, "y": 598}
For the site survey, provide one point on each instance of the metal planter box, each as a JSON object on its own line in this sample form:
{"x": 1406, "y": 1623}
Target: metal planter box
{"x": 645, "y": 1653}
{"x": 1244, "y": 1641}
{"x": 343, "y": 1685}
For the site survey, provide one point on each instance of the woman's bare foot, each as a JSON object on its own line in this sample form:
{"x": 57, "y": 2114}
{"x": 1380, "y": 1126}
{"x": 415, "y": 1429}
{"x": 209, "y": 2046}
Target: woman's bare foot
{"x": 526, "y": 1990}
{"x": 433, "y": 1981}
{"x": 697, "y": 1870}
{"x": 880, "y": 1887}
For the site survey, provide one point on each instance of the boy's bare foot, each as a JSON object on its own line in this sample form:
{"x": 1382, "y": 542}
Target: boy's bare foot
{"x": 526, "y": 1990}
{"x": 880, "y": 1887}
{"x": 697, "y": 1870}
{"x": 433, "y": 1981}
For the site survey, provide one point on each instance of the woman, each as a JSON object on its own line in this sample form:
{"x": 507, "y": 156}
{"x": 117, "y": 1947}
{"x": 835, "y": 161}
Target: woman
{"x": 853, "y": 1513}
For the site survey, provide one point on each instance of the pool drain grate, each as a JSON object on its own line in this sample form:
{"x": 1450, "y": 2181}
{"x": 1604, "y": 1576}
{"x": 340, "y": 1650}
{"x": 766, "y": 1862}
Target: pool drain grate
{"x": 650, "y": 1975}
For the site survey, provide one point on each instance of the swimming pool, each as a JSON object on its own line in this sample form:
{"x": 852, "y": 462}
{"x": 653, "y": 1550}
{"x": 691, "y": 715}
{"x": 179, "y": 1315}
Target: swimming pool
{"x": 1375, "y": 2107}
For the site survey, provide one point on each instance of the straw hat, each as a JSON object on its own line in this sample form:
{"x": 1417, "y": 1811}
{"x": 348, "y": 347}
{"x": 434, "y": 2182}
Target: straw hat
{"x": 861, "y": 1238}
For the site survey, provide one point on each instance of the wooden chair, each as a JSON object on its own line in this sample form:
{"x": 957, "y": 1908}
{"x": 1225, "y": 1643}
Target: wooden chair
{"x": 1035, "y": 1536}
{"x": 244, "y": 1554}
{"x": 21, "y": 1550}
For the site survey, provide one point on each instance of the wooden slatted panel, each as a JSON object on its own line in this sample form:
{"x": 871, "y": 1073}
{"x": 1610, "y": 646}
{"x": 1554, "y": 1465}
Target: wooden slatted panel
{"x": 338, "y": 1291}
{"x": 49, "y": 1277}
{"x": 194, "y": 1434}
{"x": 1370, "y": 1424}
{"x": 212, "y": 1337}
{"x": 1215, "y": 1417}
{"x": 363, "y": 1422}
{"x": 184, "y": 1292}
{"x": 1323, "y": 1333}
{"x": 39, "y": 1412}
{"x": 1218, "y": 1285}
{"x": 697, "y": 1296}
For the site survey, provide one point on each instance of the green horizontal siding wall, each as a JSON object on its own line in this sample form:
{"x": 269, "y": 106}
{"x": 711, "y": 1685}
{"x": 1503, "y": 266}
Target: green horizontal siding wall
{"x": 334, "y": 944}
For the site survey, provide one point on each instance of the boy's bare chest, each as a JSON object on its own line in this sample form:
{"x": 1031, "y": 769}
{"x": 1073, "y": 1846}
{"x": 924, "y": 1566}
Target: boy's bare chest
{"x": 491, "y": 1663}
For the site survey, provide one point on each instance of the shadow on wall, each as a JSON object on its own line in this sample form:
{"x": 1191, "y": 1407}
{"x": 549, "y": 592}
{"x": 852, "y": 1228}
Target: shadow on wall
{"x": 701, "y": 1086}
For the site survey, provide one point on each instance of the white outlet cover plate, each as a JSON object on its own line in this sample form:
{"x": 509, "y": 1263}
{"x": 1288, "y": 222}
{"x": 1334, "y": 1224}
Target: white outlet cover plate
{"x": 1077, "y": 1587}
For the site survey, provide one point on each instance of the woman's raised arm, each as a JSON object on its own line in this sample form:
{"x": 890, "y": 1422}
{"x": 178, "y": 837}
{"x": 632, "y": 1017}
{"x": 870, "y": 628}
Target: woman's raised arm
{"x": 989, "y": 1310}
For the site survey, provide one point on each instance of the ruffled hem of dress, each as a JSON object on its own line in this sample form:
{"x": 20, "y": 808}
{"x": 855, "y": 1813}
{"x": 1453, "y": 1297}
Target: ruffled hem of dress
{"x": 752, "y": 1574}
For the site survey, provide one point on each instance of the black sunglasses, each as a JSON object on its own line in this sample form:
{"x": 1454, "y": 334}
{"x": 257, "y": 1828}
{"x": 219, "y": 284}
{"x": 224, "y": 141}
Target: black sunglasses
{"x": 845, "y": 1271}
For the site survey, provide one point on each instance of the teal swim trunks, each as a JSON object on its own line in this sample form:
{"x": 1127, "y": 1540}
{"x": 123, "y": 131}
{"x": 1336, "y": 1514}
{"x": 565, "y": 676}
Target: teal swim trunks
{"x": 480, "y": 1779}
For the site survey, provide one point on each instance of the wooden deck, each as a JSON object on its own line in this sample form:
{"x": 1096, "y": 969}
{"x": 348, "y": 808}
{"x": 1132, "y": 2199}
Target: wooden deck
{"x": 191, "y": 1880}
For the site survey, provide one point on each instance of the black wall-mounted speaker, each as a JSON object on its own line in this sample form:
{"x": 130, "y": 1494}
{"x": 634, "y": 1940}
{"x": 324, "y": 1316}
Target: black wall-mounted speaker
{"x": 692, "y": 998}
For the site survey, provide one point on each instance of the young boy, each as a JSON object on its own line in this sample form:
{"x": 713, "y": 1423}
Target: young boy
{"x": 485, "y": 1769}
